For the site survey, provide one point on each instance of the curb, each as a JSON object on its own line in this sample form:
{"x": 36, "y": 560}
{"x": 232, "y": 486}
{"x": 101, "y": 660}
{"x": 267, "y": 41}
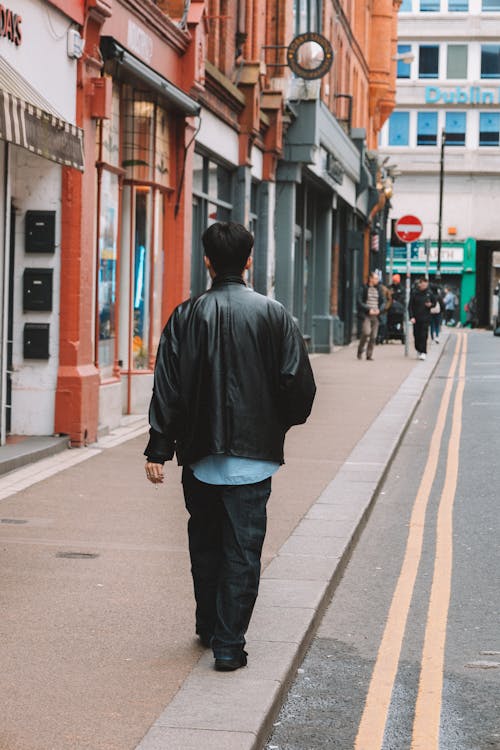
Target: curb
{"x": 236, "y": 710}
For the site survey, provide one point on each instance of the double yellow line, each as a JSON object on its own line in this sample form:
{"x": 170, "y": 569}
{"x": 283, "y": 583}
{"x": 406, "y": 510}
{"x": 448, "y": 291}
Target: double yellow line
{"x": 428, "y": 706}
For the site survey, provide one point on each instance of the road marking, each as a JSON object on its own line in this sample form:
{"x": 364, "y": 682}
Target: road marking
{"x": 372, "y": 726}
{"x": 427, "y": 720}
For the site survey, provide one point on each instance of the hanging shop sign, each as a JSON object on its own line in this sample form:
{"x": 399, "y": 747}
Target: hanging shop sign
{"x": 10, "y": 25}
{"x": 310, "y": 56}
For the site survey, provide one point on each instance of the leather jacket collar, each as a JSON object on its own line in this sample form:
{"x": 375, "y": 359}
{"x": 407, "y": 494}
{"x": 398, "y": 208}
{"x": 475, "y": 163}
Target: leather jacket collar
{"x": 228, "y": 278}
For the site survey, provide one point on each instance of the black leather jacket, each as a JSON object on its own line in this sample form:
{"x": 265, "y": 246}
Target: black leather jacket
{"x": 232, "y": 375}
{"x": 419, "y": 307}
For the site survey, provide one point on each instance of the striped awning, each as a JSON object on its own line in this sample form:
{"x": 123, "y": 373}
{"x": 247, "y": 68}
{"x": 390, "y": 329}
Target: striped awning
{"x": 27, "y": 120}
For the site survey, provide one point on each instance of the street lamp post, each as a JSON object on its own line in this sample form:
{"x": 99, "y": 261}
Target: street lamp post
{"x": 440, "y": 219}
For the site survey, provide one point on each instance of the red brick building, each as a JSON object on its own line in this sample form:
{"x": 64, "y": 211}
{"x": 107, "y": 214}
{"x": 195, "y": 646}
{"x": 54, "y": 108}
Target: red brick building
{"x": 189, "y": 113}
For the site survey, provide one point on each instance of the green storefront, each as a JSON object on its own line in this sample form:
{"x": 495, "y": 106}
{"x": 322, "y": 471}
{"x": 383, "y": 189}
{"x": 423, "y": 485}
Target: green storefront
{"x": 458, "y": 266}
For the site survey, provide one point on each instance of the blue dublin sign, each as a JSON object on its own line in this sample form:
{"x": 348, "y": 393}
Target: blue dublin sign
{"x": 461, "y": 95}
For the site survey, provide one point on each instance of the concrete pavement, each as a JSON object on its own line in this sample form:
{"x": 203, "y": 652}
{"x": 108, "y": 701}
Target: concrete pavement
{"x": 96, "y": 639}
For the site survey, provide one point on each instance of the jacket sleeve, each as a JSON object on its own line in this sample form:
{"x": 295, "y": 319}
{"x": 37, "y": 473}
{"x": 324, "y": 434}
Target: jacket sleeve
{"x": 297, "y": 386}
{"x": 410, "y": 306}
{"x": 361, "y": 304}
{"x": 164, "y": 408}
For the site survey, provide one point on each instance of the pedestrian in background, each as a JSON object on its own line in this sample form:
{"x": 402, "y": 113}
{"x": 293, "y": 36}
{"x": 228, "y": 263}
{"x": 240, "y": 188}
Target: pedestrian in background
{"x": 382, "y": 335}
{"x": 371, "y": 303}
{"x": 450, "y": 302}
{"x": 232, "y": 375}
{"x": 471, "y": 313}
{"x": 422, "y": 299}
{"x": 436, "y": 316}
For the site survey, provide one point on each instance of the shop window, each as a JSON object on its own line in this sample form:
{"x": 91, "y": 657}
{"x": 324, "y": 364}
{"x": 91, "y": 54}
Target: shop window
{"x": 456, "y": 62}
{"x": 490, "y": 5}
{"x": 146, "y": 139}
{"x": 141, "y": 274}
{"x": 404, "y": 68}
{"x": 307, "y": 15}
{"x": 490, "y": 61}
{"x": 429, "y": 6}
{"x": 405, "y": 6}
{"x": 399, "y": 129}
{"x": 489, "y": 129}
{"x": 134, "y": 176}
{"x": 108, "y": 158}
{"x": 212, "y": 201}
{"x": 108, "y": 256}
{"x": 252, "y": 227}
{"x": 428, "y": 61}
{"x": 427, "y": 128}
{"x": 458, "y": 6}
{"x": 455, "y": 128}
{"x": 110, "y": 133}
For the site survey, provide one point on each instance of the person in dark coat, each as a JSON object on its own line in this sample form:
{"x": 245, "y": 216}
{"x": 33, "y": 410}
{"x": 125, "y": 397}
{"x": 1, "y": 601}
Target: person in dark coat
{"x": 232, "y": 375}
{"x": 370, "y": 302}
{"x": 422, "y": 299}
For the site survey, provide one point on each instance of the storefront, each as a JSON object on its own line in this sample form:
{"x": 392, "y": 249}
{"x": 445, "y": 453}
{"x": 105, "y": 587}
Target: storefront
{"x": 458, "y": 267}
{"x": 316, "y": 212}
{"x": 38, "y": 141}
{"x": 140, "y": 170}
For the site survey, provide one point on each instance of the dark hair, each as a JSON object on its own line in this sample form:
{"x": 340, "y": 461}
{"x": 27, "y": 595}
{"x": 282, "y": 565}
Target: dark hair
{"x": 228, "y": 246}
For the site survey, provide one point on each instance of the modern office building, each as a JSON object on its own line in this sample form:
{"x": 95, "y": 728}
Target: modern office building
{"x": 448, "y": 82}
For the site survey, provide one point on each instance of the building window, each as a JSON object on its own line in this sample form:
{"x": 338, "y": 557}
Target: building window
{"x": 428, "y": 61}
{"x": 490, "y": 5}
{"x": 212, "y": 201}
{"x": 456, "y": 62}
{"x": 458, "y": 6}
{"x": 146, "y": 139}
{"x": 429, "y": 6}
{"x": 108, "y": 156}
{"x": 399, "y": 129}
{"x": 455, "y": 128}
{"x": 404, "y": 68}
{"x": 108, "y": 256}
{"x": 406, "y": 6}
{"x": 253, "y": 220}
{"x": 490, "y": 61}
{"x": 307, "y": 15}
{"x": 489, "y": 129}
{"x": 427, "y": 128}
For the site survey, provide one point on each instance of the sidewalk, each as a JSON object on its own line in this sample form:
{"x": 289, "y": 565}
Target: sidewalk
{"x": 97, "y": 635}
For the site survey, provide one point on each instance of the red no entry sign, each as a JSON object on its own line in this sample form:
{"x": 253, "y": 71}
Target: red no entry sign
{"x": 408, "y": 228}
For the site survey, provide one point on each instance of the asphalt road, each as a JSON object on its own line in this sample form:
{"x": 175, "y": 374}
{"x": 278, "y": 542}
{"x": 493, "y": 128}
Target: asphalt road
{"x": 408, "y": 653}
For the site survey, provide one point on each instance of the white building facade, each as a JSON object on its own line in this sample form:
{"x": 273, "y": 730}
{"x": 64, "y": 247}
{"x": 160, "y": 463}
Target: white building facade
{"x": 449, "y": 83}
{"x": 38, "y": 137}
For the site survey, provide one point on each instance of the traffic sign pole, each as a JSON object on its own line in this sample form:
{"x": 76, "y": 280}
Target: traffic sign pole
{"x": 408, "y": 229}
{"x": 407, "y": 298}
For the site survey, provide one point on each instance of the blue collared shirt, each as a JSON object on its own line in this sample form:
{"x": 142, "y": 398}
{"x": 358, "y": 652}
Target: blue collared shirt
{"x": 233, "y": 470}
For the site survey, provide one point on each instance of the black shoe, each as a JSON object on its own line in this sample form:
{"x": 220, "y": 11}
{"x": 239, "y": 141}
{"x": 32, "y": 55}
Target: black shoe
{"x": 229, "y": 665}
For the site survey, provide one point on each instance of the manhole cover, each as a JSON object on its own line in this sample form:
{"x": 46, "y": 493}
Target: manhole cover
{"x": 13, "y": 520}
{"x": 77, "y": 555}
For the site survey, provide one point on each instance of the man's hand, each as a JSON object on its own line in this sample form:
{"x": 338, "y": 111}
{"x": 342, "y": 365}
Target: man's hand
{"x": 374, "y": 311}
{"x": 154, "y": 472}
{"x": 412, "y": 320}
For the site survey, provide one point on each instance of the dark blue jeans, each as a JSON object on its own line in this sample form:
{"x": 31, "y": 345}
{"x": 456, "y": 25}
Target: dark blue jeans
{"x": 226, "y": 530}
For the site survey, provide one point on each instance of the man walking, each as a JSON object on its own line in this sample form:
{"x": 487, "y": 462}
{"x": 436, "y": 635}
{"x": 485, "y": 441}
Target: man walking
{"x": 419, "y": 309}
{"x": 232, "y": 375}
{"x": 371, "y": 303}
